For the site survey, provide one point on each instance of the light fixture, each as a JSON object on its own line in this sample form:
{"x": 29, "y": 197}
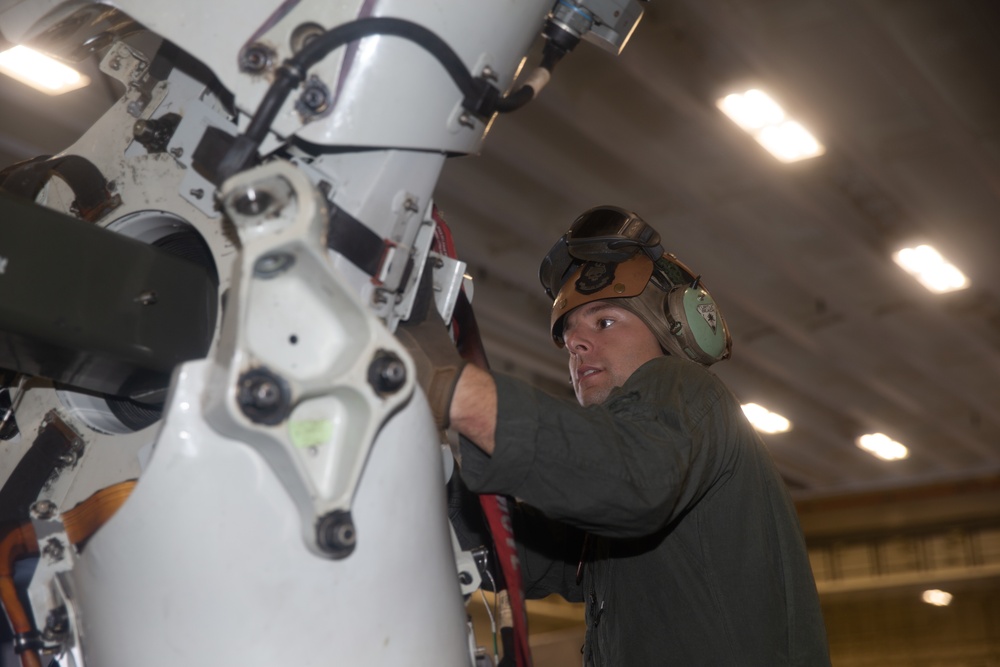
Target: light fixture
{"x": 764, "y": 420}
{"x": 932, "y": 270}
{"x": 765, "y": 121}
{"x": 882, "y": 446}
{"x": 937, "y": 598}
{"x": 40, "y": 71}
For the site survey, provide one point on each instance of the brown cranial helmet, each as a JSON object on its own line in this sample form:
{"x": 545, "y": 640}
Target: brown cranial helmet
{"x": 612, "y": 254}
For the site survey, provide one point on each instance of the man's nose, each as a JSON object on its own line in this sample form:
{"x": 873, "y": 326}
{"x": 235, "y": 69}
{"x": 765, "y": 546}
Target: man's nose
{"x": 577, "y": 341}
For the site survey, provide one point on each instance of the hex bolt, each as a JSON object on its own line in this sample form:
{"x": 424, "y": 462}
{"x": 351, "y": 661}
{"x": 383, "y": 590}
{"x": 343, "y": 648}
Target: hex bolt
{"x": 43, "y": 509}
{"x": 256, "y": 58}
{"x": 335, "y": 534}
{"x": 263, "y": 397}
{"x": 54, "y": 549}
{"x": 56, "y": 623}
{"x": 135, "y": 108}
{"x": 386, "y": 373}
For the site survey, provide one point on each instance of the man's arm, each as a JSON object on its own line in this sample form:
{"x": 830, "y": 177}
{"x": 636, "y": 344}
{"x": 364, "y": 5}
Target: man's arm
{"x": 473, "y": 408}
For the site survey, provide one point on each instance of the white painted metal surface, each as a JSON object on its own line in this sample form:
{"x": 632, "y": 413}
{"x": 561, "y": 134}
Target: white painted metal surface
{"x": 205, "y": 563}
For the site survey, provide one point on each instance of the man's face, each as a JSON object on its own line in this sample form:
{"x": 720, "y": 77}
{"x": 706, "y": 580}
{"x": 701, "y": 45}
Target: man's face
{"x": 606, "y": 344}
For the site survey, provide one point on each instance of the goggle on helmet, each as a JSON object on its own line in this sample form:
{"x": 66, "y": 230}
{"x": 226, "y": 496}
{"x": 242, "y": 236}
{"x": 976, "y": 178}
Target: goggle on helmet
{"x": 612, "y": 254}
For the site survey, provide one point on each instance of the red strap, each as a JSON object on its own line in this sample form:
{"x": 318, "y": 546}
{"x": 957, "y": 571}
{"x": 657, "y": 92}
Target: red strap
{"x": 497, "y": 514}
{"x": 495, "y": 508}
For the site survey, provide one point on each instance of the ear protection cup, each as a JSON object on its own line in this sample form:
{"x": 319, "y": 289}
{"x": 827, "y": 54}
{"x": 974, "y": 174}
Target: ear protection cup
{"x": 696, "y": 324}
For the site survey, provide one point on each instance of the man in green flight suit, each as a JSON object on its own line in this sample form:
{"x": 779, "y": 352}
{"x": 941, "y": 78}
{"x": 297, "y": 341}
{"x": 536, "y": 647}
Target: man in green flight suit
{"x": 657, "y": 503}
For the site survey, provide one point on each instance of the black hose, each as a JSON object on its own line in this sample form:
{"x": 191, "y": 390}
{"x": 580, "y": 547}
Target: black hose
{"x": 516, "y": 99}
{"x": 479, "y": 96}
{"x": 293, "y": 71}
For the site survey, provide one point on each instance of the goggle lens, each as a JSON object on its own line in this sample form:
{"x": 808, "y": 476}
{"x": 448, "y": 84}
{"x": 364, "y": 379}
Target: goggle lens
{"x": 604, "y": 234}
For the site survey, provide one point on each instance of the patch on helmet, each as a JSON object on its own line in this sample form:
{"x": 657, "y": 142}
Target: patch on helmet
{"x": 710, "y": 315}
{"x": 595, "y": 276}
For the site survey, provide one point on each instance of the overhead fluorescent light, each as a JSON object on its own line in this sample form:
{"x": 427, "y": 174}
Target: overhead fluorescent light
{"x": 931, "y": 269}
{"x": 764, "y": 420}
{"x": 40, "y": 71}
{"x": 882, "y": 446}
{"x": 937, "y": 598}
{"x": 764, "y": 119}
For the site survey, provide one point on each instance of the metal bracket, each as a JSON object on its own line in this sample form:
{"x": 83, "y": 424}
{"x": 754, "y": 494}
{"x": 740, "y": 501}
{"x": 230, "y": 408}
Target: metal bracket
{"x": 304, "y": 372}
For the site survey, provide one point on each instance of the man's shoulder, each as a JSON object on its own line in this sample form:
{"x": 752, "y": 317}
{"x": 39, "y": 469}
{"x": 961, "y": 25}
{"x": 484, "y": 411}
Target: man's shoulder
{"x": 671, "y": 368}
{"x": 672, "y": 376}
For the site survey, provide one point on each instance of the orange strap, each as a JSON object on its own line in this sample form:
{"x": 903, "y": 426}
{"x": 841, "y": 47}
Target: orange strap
{"x": 19, "y": 541}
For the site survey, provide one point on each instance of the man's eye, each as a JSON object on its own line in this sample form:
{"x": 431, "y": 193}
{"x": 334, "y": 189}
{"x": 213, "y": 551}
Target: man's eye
{"x": 604, "y": 322}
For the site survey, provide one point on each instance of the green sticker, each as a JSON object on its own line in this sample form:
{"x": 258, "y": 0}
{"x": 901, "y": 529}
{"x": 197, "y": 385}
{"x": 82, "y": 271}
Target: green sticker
{"x": 310, "y": 433}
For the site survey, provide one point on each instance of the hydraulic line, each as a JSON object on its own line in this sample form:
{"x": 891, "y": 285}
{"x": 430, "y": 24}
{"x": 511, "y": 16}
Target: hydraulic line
{"x": 479, "y": 96}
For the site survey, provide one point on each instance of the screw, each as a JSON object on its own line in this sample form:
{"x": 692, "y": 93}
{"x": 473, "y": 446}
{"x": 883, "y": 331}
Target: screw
{"x": 115, "y": 64}
{"x": 466, "y": 120}
{"x": 315, "y": 99}
{"x": 177, "y": 152}
{"x": 387, "y": 373}
{"x": 410, "y": 204}
{"x": 464, "y": 578}
{"x": 197, "y": 193}
{"x": 489, "y": 74}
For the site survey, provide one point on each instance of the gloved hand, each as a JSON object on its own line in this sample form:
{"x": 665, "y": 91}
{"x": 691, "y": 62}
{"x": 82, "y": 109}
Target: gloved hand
{"x": 437, "y": 360}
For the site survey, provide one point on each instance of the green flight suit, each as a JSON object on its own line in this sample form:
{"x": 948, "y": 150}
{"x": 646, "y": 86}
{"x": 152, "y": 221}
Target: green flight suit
{"x": 697, "y": 556}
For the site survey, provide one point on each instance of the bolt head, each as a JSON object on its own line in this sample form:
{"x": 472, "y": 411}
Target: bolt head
{"x": 263, "y": 397}
{"x": 335, "y": 534}
{"x": 387, "y": 373}
{"x": 253, "y": 202}
{"x": 256, "y": 58}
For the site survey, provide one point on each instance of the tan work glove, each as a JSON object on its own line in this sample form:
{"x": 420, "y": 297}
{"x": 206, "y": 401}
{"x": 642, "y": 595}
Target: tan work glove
{"x": 437, "y": 360}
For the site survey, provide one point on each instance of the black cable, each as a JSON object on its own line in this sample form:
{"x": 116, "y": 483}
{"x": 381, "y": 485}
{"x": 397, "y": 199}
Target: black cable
{"x": 479, "y": 96}
{"x": 293, "y": 71}
{"x": 552, "y": 53}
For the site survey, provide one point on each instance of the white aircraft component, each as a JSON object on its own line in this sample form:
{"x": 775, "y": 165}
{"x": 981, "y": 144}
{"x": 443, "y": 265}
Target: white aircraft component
{"x": 290, "y": 501}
